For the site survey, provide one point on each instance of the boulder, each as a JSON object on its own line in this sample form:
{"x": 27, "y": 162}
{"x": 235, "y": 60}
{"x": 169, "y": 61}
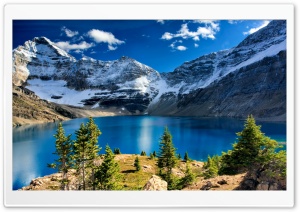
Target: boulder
{"x": 263, "y": 186}
{"x": 207, "y": 186}
{"x": 222, "y": 182}
{"x": 274, "y": 186}
{"x": 156, "y": 184}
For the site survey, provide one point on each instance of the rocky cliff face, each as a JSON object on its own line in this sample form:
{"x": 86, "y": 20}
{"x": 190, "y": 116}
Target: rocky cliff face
{"x": 247, "y": 79}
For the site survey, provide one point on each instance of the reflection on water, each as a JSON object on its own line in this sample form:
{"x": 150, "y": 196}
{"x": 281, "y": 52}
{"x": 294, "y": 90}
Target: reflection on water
{"x": 33, "y": 145}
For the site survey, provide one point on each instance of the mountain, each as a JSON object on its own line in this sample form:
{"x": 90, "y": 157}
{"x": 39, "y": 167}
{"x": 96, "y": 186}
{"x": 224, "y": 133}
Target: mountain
{"x": 56, "y": 76}
{"x": 247, "y": 79}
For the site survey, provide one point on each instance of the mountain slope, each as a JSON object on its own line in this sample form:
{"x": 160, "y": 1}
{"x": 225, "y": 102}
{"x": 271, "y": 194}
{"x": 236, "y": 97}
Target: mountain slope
{"x": 56, "y": 76}
{"x": 247, "y": 79}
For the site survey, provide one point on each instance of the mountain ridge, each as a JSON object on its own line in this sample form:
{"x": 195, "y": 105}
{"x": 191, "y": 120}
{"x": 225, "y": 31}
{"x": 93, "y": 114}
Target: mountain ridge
{"x": 129, "y": 85}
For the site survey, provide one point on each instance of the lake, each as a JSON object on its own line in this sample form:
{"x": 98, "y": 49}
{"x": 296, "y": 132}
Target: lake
{"x": 33, "y": 145}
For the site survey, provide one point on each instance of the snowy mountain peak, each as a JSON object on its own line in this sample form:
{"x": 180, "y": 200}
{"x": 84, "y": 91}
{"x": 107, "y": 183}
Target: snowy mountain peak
{"x": 55, "y": 75}
{"x": 43, "y": 49}
{"x": 203, "y": 71}
{"x": 275, "y": 31}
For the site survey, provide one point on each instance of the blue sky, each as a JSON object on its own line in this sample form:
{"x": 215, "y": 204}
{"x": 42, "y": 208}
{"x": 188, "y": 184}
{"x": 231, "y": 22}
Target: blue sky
{"x": 160, "y": 44}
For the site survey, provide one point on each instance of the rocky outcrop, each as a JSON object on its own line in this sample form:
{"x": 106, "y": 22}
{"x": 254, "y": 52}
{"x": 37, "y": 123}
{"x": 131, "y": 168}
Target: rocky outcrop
{"x": 257, "y": 179}
{"x": 258, "y": 89}
{"x": 52, "y": 182}
{"x": 28, "y": 108}
{"x": 156, "y": 184}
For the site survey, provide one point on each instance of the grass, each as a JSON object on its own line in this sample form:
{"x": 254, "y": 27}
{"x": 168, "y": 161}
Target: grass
{"x": 132, "y": 179}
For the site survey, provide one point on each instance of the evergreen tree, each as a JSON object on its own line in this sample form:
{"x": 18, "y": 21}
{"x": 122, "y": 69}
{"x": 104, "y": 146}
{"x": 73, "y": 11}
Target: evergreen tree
{"x": 252, "y": 148}
{"x": 137, "y": 164}
{"x": 117, "y": 151}
{"x": 63, "y": 146}
{"x": 107, "y": 176}
{"x": 154, "y": 153}
{"x": 167, "y": 156}
{"x": 93, "y": 147}
{"x": 143, "y": 153}
{"x": 80, "y": 156}
{"x": 188, "y": 178}
{"x": 210, "y": 168}
{"x": 186, "y": 157}
{"x": 179, "y": 156}
{"x": 151, "y": 156}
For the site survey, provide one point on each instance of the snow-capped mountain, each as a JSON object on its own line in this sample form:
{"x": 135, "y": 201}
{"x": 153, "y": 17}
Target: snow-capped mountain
{"x": 247, "y": 79}
{"x": 225, "y": 83}
{"x": 199, "y": 73}
{"x": 56, "y": 76}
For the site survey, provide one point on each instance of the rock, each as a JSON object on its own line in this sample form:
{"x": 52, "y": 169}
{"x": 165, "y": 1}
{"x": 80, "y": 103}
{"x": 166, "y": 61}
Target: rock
{"x": 263, "y": 186}
{"x": 274, "y": 186}
{"x": 147, "y": 168}
{"x": 207, "y": 186}
{"x": 222, "y": 182}
{"x": 36, "y": 182}
{"x": 248, "y": 184}
{"x": 216, "y": 186}
{"x": 56, "y": 97}
{"x": 156, "y": 184}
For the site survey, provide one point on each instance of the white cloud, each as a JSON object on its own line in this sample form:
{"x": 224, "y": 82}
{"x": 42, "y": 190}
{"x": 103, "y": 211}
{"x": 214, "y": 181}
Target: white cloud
{"x": 209, "y": 23}
{"x": 196, "y": 38}
{"x": 232, "y": 22}
{"x": 181, "y": 48}
{"x": 100, "y": 36}
{"x": 252, "y": 30}
{"x": 208, "y": 30}
{"x": 69, "y": 32}
{"x": 78, "y": 51}
{"x": 65, "y": 45}
{"x": 112, "y": 48}
{"x": 160, "y": 21}
{"x": 167, "y": 36}
{"x": 196, "y": 45}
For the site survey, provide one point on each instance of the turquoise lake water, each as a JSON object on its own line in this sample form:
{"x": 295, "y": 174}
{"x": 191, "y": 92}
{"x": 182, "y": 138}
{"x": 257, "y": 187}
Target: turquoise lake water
{"x": 33, "y": 145}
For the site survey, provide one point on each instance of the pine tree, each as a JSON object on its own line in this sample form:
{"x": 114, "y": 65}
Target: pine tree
{"x": 167, "y": 156}
{"x": 186, "y": 156}
{"x": 137, "y": 164}
{"x": 179, "y": 156}
{"x": 117, "y": 151}
{"x": 81, "y": 154}
{"x": 143, "y": 153}
{"x": 246, "y": 151}
{"x": 107, "y": 176}
{"x": 151, "y": 156}
{"x": 188, "y": 178}
{"x": 93, "y": 133}
{"x": 210, "y": 168}
{"x": 63, "y": 146}
{"x": 154, "y": 153}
